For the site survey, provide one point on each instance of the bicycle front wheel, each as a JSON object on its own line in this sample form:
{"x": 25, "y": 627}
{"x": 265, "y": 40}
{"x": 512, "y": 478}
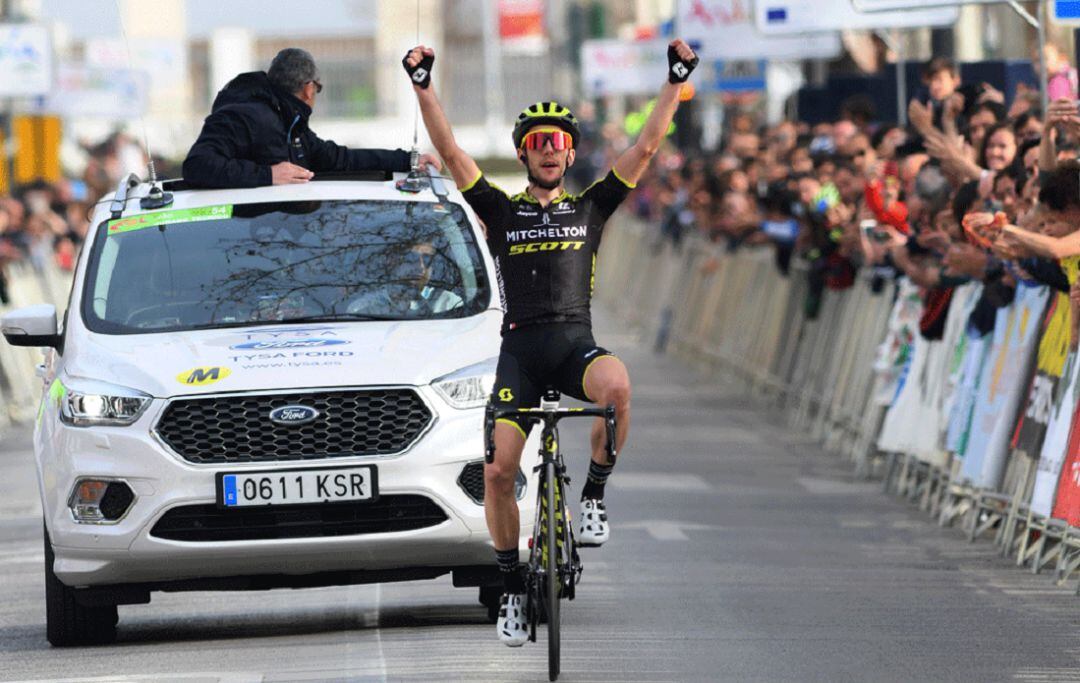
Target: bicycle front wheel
{"x": 552, "y": 570}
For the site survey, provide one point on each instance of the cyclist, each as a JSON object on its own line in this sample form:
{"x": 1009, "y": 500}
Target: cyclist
{"x": 544, "y": 242}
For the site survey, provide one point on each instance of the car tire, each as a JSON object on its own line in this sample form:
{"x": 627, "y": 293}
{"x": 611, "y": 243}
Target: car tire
{"x": 67, "y": 622}
{"x": 490, "y": 597}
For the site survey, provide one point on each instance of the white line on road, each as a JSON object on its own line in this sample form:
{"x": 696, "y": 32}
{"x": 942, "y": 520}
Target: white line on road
{"x": 667, "y": 530}
{"x": 660, "y": 481}
{"x": 832, "y": 487}
{"x": 24, "y": 559}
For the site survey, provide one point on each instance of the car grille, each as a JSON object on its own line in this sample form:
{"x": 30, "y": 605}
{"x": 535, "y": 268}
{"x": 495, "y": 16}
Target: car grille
{"x": 233, "y": 429}
{"x": 206, "y": 523}
{"x": 471, "y": 481}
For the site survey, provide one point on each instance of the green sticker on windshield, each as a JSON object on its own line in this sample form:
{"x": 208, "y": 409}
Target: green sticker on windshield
{"x": 170, "y": 217}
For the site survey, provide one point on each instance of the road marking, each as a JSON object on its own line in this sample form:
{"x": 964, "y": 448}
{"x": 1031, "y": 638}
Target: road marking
{"x": 667, "y": 530}
{"x": 26, "y": 559}
{"x": 218, "y": 676}
{"x": 660, "y": 481}
{"x": 832, "y": 487}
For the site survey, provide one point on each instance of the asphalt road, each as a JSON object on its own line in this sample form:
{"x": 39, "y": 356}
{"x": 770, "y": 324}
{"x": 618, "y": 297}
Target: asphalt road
{"x": 740, "y": 552}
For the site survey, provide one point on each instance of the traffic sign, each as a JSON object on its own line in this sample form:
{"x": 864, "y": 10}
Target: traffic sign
{"x": 739, "y": 75}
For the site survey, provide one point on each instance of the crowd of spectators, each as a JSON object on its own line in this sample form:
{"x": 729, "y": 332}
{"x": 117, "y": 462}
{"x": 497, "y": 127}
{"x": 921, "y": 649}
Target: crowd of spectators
{"x": 977, "y": 186}
{"x": 43, "y": 223}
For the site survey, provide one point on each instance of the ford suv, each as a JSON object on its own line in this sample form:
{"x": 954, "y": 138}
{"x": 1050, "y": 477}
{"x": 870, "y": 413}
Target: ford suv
{"x": 262, "y": 388}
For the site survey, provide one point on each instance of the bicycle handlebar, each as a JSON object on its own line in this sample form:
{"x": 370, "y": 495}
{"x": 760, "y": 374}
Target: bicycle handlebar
{"x": 491, "y": 414}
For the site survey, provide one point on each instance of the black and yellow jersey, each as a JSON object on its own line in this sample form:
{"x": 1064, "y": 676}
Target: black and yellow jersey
{"x": 545, "y": 256}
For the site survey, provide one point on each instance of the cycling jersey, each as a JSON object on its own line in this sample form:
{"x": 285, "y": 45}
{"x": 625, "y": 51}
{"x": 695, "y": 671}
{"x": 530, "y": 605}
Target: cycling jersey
{"x": 545, "y": 257}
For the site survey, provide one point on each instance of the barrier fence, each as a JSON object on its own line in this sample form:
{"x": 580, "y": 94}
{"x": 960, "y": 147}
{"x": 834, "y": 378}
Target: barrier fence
{"x": 979, "y": 431}
{"x": 20, "y": 383}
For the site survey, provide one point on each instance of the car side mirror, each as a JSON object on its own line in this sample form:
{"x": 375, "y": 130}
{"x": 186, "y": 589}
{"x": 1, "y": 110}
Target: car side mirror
{"x": 31, "y": 326}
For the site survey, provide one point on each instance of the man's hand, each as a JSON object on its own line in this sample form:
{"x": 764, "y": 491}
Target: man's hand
{"x": 920, "y": 116}
{"x": 681, "y": 61}
{"x": 964, "y": 259}
{"x": 418, "y": 62}
{"x": 426, "y": 159}
{"x": 284, "y": 173}
{"x": 954, "y": 106}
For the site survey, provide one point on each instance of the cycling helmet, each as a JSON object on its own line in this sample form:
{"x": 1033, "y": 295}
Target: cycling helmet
{"x": 546, "y": 114}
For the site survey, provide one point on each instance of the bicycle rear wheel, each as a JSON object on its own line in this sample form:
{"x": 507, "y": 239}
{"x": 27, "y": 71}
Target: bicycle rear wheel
{"x": 552, "y": 570}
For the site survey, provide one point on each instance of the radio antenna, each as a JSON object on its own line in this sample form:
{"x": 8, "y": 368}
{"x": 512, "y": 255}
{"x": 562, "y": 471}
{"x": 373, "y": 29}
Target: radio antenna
{"x": 414, "y": 154}
{"x": 156, "y": 198}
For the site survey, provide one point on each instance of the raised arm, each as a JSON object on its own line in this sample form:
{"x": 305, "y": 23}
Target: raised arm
{"x": 632, "y": 163}
{"x": 1044, "y": 245}
{"x": 418, "y": 63}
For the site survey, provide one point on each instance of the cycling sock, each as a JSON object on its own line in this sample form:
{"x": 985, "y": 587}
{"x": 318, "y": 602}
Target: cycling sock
{"x": 594, "y": 483}
{"x": 510, "y": 568}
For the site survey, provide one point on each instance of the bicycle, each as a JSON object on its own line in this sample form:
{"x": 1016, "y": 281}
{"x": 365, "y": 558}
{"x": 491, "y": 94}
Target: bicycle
{"x": 550, "y": 576}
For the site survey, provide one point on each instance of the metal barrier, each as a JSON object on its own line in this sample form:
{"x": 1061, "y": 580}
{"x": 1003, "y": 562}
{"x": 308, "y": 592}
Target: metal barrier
{"x": 837, "y": 377}
{"x": 20, "y": 384}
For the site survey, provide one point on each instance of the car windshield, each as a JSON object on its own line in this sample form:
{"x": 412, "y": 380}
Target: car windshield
{"x": 229, "y": 265}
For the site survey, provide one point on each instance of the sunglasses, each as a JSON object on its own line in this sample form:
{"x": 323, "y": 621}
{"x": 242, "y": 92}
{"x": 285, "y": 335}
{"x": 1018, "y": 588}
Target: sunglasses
{"x": 318, "y": 86}
{"x": 559, "y": 140}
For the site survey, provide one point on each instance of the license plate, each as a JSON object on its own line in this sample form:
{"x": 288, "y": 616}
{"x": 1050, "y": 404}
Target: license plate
{"x": 297, "y": 487}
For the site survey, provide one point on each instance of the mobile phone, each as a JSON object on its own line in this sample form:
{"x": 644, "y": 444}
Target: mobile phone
{"x": 870, "y": 227}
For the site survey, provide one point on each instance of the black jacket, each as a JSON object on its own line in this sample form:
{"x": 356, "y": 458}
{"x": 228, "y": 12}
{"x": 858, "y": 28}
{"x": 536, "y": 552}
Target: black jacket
{"x": 254, "y": 125}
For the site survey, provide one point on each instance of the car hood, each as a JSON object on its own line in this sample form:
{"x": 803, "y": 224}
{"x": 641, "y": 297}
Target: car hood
{"x": 268, "y": 357}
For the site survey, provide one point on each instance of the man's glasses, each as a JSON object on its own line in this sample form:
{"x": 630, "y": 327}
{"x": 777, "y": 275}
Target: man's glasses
{"x": 559, "y": 140}
{"x": 318, "y": 86}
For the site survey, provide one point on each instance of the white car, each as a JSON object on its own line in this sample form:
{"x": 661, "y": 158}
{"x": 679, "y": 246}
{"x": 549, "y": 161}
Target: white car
{"x": 260, "y": 388}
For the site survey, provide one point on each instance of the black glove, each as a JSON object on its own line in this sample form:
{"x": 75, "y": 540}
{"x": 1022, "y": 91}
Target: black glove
{"x": 421, "y": 73}
{"x": 678, "y": 70}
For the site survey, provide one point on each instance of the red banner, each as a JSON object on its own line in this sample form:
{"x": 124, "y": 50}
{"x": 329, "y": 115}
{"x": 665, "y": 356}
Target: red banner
{"x": 1067, "y": 503}
{"x": 521, "y": 19}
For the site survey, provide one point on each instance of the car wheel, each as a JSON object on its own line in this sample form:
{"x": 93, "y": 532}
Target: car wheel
{"x": 67, "y": 622}
{"x": 489, "y": 597}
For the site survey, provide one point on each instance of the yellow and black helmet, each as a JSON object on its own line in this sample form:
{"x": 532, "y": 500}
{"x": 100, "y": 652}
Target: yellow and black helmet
{"x": 546, "y": 114}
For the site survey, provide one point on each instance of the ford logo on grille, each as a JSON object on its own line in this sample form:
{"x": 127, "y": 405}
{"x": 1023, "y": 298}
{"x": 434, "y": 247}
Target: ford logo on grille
{"x": 293, "y": 415}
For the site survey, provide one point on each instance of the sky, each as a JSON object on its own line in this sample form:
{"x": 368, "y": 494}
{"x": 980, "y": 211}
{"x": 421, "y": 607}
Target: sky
{"x": 94, "y": 18}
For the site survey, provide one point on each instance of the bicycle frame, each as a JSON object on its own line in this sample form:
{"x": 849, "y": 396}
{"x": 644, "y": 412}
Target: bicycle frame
{"x": 554, "y": 575}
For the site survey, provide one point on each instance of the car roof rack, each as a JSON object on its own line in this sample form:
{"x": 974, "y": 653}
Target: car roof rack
{"x": 120, "y": 199}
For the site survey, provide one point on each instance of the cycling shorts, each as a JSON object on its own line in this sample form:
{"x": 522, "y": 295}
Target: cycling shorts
{"x": 535, "y": 357}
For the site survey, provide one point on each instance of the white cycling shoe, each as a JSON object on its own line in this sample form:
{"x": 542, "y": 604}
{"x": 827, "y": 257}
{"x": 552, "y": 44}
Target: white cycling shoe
{"x": 513, "y": 625}
{"x": 595, "y": 530}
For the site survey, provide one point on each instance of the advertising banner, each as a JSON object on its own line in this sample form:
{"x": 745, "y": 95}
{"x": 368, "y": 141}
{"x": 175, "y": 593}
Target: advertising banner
{"x": 1056, "y": 444}
{"x": 1067, "y": 500}
{"x": 521, "y": 25}
{"x": 956, "y": 342}
{"x": 724, "y": 29}
{"x": 917, "y": 420}
{"x": 1002, "y": 385}
{"x": 83, "y": 91}
{"x": 895, "y": 352}
{"x": 1049, "y": 366}
{"x": 618, "y": 67}
{"x": 25, "y": 60}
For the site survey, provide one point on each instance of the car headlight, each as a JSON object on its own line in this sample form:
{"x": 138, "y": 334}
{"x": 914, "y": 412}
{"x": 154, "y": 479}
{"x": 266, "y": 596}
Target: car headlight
{"x": 468, "y": 387}
{"x": 90, "y": 402}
